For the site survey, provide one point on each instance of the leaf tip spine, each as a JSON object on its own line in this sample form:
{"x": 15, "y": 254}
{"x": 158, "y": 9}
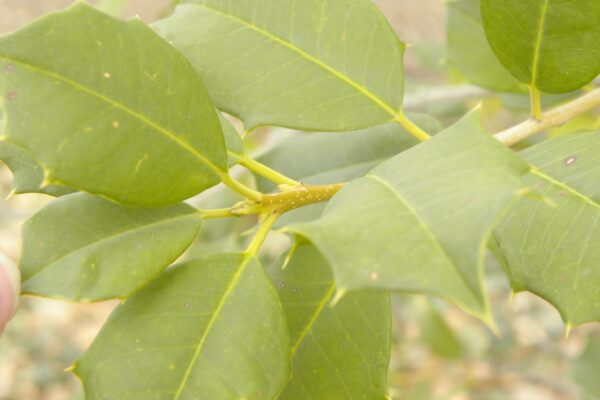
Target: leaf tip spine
{"x": 568, "y": 328}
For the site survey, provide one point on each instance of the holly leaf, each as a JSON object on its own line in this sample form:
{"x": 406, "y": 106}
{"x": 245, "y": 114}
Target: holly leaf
{"x": 551, "y": 45}
{"x": 114, "y": 122}
{"x": 81, "y": 247}
{"x": 322, "y": 65}
{"x": 338, "y": 351}
{"x": 551, "y": 250}
{"x": 426, "y": 214}
{"x": 211, "y": 328}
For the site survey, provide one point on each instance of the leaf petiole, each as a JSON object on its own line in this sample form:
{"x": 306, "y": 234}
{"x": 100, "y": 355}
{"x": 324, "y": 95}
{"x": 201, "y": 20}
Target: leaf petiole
{"x": 264, "y": 171}
{"x": 411, "y": 127}
{"x": 536, "y": 103}
{"x": 216, "y": 213}
{"x": 261, "y": 233}
{"x": 240, "y": 188}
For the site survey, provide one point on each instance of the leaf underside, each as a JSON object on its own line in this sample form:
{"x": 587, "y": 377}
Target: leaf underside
{"x": 339, "y": 351}
{"x": 420, "y": 221}
{"x": 81, "y": 247}
{"x": 553, "y": 251}
{"x": 293, "y": 64}
{"x": 211, "y": 328}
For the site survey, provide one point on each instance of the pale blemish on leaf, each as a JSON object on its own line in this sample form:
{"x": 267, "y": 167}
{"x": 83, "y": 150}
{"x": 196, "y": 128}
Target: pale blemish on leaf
{"x": 570, "y": 160}
{"x": 140, "y": 162}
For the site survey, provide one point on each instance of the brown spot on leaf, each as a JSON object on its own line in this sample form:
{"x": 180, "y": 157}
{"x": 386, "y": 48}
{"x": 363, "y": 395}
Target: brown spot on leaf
{"x": 11, "y": 96}
{"x": 9, "y": 67}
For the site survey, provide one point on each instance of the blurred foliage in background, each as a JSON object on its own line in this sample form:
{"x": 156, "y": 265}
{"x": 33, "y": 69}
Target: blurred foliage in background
{"x": 439, "y": 351}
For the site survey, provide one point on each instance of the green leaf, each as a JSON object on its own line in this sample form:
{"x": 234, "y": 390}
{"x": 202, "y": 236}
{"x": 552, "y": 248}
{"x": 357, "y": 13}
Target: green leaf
{"x": 470, "y": 52}
{"x": 426, "y": 214}
{"x": 551, "y": 45}
{"x": 339, "y": 351}
{"x": 317, "y": 65}
{"x": 332, "y": 157}
{"x": 101, "y": 112}
{"x": 552, "y": 251}
{"x": 28, "y": 173}
{"x": 586, "y": 367}
{"x": 211, "y": 328}
{"x": 84, "y": 248}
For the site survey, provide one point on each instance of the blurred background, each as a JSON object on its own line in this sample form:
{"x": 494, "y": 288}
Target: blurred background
{"x": 439, "y": 352}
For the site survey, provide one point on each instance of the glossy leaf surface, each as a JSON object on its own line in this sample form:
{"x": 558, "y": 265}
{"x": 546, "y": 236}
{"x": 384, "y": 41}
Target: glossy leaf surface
{"x": 211, "y": 328}
{"x": 339, "y": 351}
{"x": 420, "y": 221}
{"x": 114, "y": 122}
{"x": 553, "y": 251}
{"x": 312, "y": 65}
{"x": 81, "y": 247}
{"x": 551, "y": 45}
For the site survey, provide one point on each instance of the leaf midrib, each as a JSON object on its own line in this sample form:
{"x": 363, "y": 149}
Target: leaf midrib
{"x": 200, "y": 346}
{"x": 538, "y": 43}
{"x": 314, "y": 317}
{"x": 137, "y": 115}
{"x": 307, "y": 56}
{"x": 114, "y": 236}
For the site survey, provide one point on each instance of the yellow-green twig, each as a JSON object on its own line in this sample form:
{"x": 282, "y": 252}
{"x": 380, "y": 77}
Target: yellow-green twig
{"x": 240, "y": 188}
{"x": 554, "y": 117}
